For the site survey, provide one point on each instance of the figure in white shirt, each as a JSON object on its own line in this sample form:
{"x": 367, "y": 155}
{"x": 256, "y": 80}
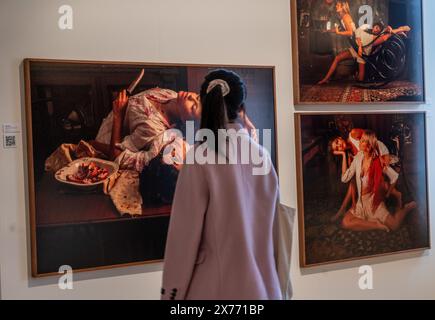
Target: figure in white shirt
{"x": 133, "y": 132}
{"x": 352, "y": 147}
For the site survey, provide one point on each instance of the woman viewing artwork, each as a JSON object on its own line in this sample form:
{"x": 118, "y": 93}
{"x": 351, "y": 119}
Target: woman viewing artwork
{"x": 220, "y": 241}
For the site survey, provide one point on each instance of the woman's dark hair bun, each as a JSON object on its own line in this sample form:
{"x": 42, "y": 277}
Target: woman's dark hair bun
{"x": 235, "y": 99}
{"x": 218, "y": 109}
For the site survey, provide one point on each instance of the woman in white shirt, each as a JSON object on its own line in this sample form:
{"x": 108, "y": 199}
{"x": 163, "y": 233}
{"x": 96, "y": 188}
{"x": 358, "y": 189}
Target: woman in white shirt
{"x": 370, "y": 212}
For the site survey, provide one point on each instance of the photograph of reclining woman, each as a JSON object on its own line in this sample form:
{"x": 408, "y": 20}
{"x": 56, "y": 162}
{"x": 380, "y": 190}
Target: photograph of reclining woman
{"x": 101, "y": 179}
{"x": 357, "y": 51}
{"x": 362, "y": 185}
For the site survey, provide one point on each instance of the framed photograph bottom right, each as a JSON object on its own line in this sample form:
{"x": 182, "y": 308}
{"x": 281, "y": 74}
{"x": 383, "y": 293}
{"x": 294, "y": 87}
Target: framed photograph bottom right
{"x": 362, "y": 185}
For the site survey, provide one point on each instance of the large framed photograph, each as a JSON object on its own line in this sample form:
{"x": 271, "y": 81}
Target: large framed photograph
{"x": 99, "y": 203}
{"x": 357, "y": 51}
{"x": 362, "y": 185}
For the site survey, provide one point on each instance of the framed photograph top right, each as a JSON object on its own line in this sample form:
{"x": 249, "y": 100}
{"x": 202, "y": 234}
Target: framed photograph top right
{"x": 357, "y": 51}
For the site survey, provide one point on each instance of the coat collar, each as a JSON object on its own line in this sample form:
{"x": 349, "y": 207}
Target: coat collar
{"x": 236, "y": 126}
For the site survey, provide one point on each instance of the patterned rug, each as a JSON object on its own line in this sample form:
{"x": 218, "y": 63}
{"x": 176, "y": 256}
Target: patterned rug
{"x": 327, "y": 241}
{"x": 349, "y": 92}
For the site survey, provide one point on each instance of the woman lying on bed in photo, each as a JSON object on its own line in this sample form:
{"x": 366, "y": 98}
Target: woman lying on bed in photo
{"x": 352, "y": 148}
{"x": 370, "y": 212}
{"x": 366, "y": 39}
{"x": 144, "y": 118}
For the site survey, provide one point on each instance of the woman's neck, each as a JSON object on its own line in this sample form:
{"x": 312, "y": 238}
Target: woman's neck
{"x": 170, "y": 111}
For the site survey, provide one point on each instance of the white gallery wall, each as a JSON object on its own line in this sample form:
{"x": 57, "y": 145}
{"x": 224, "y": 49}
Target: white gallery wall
{"x": 241, "y": 32}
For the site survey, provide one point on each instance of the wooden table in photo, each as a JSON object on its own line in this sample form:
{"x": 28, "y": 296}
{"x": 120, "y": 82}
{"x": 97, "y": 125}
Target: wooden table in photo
{"x": 84, "y": 229}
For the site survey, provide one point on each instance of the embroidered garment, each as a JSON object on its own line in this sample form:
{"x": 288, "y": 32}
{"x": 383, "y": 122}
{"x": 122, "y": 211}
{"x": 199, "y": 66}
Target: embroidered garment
{"x": 145, "y": 126}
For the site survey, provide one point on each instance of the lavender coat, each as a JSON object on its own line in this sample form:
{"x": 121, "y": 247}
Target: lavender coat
{"x": 220, "y": 239}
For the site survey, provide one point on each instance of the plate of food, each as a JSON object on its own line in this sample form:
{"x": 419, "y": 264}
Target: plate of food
{"x": 86, "y": 172}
